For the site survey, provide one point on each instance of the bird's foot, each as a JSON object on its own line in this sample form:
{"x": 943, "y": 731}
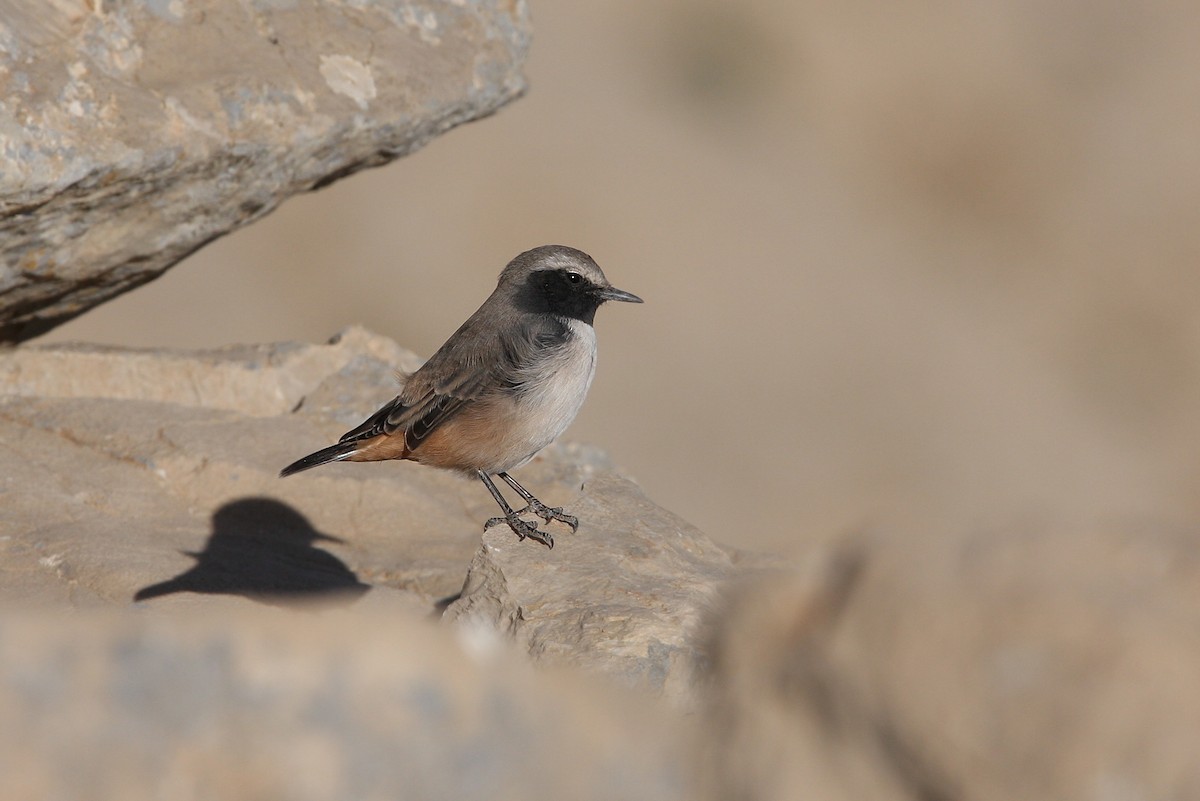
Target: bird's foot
{"x": 549, "y": 513}
{"x": 522, "y": 528}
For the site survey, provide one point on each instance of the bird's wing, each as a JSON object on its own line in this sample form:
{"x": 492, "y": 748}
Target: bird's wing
{"x": 471, "y": 365}
{"x": 418, "y": 413}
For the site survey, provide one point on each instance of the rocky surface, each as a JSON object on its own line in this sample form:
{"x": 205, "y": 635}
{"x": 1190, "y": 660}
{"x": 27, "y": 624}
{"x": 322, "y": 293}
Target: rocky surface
{"x": 132, "y": 133}
{"x": 178, "y": 622}
{"x": 151, "y": 477}
{"x": 241, "y": 704}
{"x": 1041, "y": 659}
{"x": 628, "y": 599}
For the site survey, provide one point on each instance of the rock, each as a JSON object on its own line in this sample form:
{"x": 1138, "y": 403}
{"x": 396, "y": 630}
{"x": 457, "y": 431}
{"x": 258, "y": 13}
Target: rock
{"x": 133, "y": 133}
{"x": 1044, "y": 660}
{"x": 136, "y": 469}
{"x": 238, "y": 635}
{"x": 257, "y": 380}
{"x": 627, "y": 595}
{"x": 255, "y": 704}
{"x": 151, "y": 477}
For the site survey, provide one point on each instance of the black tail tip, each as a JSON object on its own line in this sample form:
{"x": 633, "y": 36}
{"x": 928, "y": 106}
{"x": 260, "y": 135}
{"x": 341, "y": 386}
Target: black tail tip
{"x": 334, "y": 453}
{"x": 307, "y": 463}
{"x": 294, "y": 467}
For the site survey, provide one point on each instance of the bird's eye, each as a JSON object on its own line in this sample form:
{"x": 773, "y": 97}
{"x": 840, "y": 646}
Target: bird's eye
{"x": 574, "y": 278}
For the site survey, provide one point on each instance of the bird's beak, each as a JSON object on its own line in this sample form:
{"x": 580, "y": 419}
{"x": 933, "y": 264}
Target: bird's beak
{"x": 612, "y": 293}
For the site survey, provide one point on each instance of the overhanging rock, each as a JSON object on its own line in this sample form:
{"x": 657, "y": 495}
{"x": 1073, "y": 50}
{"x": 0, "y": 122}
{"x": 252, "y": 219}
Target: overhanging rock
{"x": 132, "y": 133}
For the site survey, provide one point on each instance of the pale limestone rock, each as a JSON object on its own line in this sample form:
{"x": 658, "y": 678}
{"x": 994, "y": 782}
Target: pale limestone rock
{"x": 134, "y": 467}
{"x": 152, "y": 476}
{"x": 1044, "y": 659}
{"x": 132, "y": 133}
{"x": 1039, "y": 660}
{"x": 257, "y": 380}
{"x": 626, "y": 595}
{"x": 242, "y": 704}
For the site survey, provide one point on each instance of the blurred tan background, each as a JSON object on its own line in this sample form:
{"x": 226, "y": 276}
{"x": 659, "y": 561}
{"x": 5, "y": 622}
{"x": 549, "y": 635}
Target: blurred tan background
{"x": 934, "y": 264}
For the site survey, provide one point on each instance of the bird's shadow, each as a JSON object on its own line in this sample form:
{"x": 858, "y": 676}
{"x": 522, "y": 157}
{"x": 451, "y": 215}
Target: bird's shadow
{"x": 263, "y": 549}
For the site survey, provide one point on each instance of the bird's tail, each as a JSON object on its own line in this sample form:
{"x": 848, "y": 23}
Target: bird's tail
{"x": 334, "y": 453}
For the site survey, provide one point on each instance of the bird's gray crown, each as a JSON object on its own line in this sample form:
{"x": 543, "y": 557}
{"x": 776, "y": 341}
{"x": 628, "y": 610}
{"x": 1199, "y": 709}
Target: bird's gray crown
{"x": 554, "y": 257}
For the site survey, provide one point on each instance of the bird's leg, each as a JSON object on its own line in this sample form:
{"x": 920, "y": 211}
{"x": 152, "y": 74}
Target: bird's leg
{"x": 521, "y": 528}
{"x": 540, "y": 509}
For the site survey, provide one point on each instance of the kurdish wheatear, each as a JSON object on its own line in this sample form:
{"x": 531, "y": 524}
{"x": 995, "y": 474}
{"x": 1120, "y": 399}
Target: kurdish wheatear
{"x": 504, "y": 386}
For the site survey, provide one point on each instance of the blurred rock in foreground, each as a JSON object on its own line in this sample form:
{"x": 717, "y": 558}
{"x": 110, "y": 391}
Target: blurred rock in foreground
{"x": 889, "y": 670}
{"x": 132, "y": 133}
{"x": 1040, "y": 661}
{"x": 243, "y": 704}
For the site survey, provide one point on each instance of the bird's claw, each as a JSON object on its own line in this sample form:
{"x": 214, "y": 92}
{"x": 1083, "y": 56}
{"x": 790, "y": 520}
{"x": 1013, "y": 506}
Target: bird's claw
{"x": 549, "y": 513}
{"x": 522, "y": 528}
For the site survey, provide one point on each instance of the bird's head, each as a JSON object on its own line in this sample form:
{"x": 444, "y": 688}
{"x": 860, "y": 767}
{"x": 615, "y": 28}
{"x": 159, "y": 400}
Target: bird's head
{"x": 560, "y": 280}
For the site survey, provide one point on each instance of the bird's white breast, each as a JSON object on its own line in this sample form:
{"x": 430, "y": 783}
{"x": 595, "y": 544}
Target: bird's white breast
{"x": 552, "y": 391}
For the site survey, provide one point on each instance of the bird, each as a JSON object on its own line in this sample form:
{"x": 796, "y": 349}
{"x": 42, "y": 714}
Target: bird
{"x": 505, "y": 385}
